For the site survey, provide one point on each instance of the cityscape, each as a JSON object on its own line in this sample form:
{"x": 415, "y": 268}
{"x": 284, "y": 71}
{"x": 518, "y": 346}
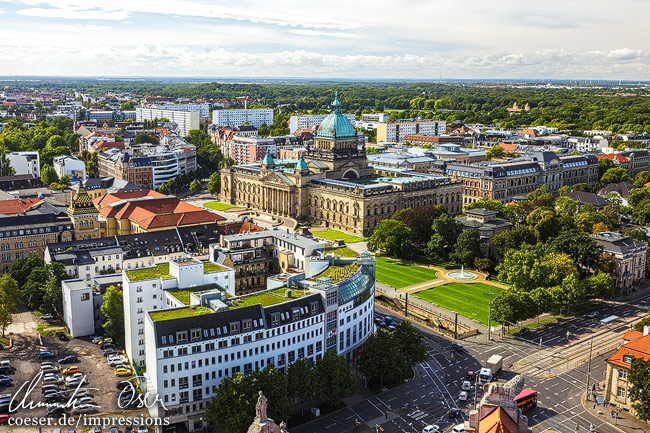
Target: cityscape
{"x": 234, "y": 218}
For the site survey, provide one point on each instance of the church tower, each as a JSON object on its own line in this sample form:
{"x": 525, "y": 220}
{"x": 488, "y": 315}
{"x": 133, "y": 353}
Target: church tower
{"x": 336, "y": 146}
{"x": 84, "y": 215}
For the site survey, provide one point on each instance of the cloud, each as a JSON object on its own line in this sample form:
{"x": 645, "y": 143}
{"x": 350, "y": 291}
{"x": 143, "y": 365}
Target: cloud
{"x": 320, "y": 34}
{"x": 120, "y": 9}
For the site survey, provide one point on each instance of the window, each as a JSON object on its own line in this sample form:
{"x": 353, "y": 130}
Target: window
{"x": 246, "y": 325}
{"x": 195, "y": 334}
{"x": 275, "y": 319}
{"x": 620, "y": 392}
{"x": 85, "y": 296}
{"x": 234, "y": 327}
{"x": 164, "y": 339}
{"x": 314, "y": 308}
{"x": 183, "y": 383}
{"x": 181, "y": 336}
{"x": 622, "y": 374}
{"x": 295, "y": 314}
{"x": 628, "y": 358}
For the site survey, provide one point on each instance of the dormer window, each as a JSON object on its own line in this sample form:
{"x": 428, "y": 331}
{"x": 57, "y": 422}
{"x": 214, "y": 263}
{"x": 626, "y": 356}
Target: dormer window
{"x": 628, "y": 358}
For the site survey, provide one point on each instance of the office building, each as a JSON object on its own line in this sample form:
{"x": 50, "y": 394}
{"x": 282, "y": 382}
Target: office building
{"x": 202, "y": 109}
{"x": 185, "y": 120}
{"x": 371, "y": 120}
{"x": 306, "y": 121}
{"x": 253, "y": 116}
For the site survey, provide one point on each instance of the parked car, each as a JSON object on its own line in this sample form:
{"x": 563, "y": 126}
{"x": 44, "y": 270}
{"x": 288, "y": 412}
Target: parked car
{"x": 379, "y": 322}
{"x": 466, "y": 385}
{"x": 72, "y": 369}
{"x": 470, "y": 375}
{"x": 457, "y": 347}
{"x": 142, "y": 429}
{"x": 56, "y": 410}
{"x": 54, "y": 397}
{"x": 454, "y": 412}
{"x": 109, "y": 352}
{"x": 47, "y": 316}
{"x": 62, "y": 337}
{"x": 389, "y": 321}
{"x": 49, "y": 369}
{"x": 593, "y": 314}
{"x": 431, "y": 428}
{"x": 83, "y": 400}
{"x": 84, "y": 408}
{"x": 50, "y": 387}
{"x": 458, "y": 428}
{"x": 71, "y": 382}
{"x": 97, "y": 339}
{"x": 123, "y": 372}
{"x": 68, "y": 359}
{"x": 45, "y": 355}
{"x": 523, "y": 331}
{"x": 5, "y": 380}
{"x": 117, "y": 361}
{"x": 106, "y": 342}
{"x": 52, "y": 379}
{"x": 123, "y": 384}
{"x": 79, "y": 376}
{"x": 463, "y": 396}
{"x": 4, "y": 419}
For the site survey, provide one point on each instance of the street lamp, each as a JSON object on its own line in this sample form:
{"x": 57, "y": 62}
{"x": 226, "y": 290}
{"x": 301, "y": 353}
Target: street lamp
{"x": 591, "y": 346}
{"x": 490, "y": 316}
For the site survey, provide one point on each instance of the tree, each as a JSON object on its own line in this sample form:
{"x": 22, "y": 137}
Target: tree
{"x": 604, "y": 164}
{"x": 579, "y": 246}
{"x": 410, "y": 343}
{"x": 48, "y": 175}
{"x": 495, "y": 151}
{"x": 381, "y": 360}
{"x": 638, "y": 326}
{"x": 195, "y": 186}
{"x": 419, "y": 220}
{"x": 302, "y": 383}
{"x": 541, "y": 198}
{"x": 564, "y": 190}
{"x": 5, "y": 166}
{"x": 600, "y": 286}
{"x": 639, "y": 387}
{"x": 163, "y": 188}
{"x": 583, "y": 187}
{"x": 143, "y": 137}
{"x": 21, "y": 268}
{"x": 641, "y": 178}
{"x": 614, "y": 175}
{"x": 42, "y": 289}
{"x": 637, "y": 195}
{"x": 391, "y": 237}
{"x": 514, "y": 238}
{"x": 488, "y": 203}
{"x": 445, "y": 232}
{"x": 9, "y": 298}
{"x": 64, "y": 181}
{"x": 468, "y": 247}
{"x": 113, "y": 310}
{"x": 543, "y": 223}
{"x": 641, "y": 212}
{"x": 336, "y": 381}
{"x": 533, "y": 266}
{"x": 214, "y": 184}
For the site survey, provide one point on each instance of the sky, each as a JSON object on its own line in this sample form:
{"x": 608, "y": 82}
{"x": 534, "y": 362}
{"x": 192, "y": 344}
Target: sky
{"x": 379, "y": 39}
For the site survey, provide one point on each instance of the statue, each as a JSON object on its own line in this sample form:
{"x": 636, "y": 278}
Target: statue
{"x": 283, "y": 427}
{"x": 260, "y": 408}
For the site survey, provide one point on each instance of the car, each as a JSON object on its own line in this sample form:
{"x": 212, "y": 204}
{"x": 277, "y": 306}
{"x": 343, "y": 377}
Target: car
{"x": 593, "y": 314}
{"x": 44, "y": 363}
{"x": 52, "y": 379}
{"x": 4, "y": 419}
{"x": 53, "y": 392}
{"x": 82, "y": 377}
{"x": 114, "y": 430}
{"x": 463, "y": 396}
{"x": 431, "y": 428}
{"x": 458, "y": 428}
{"x": 128, "y": 429}
{"x": 72, "y": 382}
{"x": 123, "y": 384}
{"x": 454, "y": 412}
{"x": 62, "y": 337}
{"x": 50, "y": 387}
{"x": 122, "y": 359}
{"x": 109, "y": 352}
{"x": 116, "y": 362}
{"x": 84, "y": 400}
{"x": 5, "y": 380}
{"x": 45, "y": 354}
{"x": 84, "y": 408}
{"x": 97, "y": 339}
{"x": 54, "y": 398}
{"x": 470, "y": 375}
{"x": 118, "y": 366}
{"x": 123, "y": 372}
{"x": 524, "y": 331}
{"x": 68, "y": 359}
{"x": 457, "y": 347}
{"x": 105, "y": 342}
{"x": 466, "y": 385}
{"x": 389, "y": 321}
{"x": 72, "y": 369}
{"x": 55, "y": 410}
{"x": 49, "y": 369}
{"x": 380, "y": 322}
{"x": 143, "y": 429}
{"x": 47, "y": 316}
{"x": 642, "y": 302}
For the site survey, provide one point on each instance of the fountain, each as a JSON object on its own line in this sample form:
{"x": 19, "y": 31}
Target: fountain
{"x": 462, "y": 275}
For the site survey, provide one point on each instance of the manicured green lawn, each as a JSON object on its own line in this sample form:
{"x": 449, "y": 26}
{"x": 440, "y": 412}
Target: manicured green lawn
{"x": 217, "y": 205}
{"x": 397, "y": 274}
{"x": 469, "y": 300}
{"x": 335, "y": 234}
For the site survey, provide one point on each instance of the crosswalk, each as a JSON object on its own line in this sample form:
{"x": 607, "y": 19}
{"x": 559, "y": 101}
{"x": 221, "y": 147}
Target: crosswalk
{"x": 417, "y": 415}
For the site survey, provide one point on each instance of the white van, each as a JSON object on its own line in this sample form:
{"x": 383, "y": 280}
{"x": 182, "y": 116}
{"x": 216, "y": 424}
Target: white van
{"x": 459, "y": 428}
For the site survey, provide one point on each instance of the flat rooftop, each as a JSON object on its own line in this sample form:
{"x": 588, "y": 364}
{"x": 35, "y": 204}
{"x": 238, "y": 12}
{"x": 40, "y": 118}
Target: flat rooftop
{"x": 268, "y": 298}
{"x": 158, "y": 271}
{"x": 291, "y": 238}
{"x": 179, "y": 313}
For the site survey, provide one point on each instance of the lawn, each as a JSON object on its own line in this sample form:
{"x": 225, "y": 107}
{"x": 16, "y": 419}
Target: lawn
{"x": 469, "y": 300}
{"x": 158, "y": 271}
{"x": 217, "y": 205}
{"x": 49, "y": 330}
{"x": 179, "y": 313}
{"x": 183, "y": 295}
{"x": 343, "y": 252}
{"x": 209, "y": 267}
{"x": 398, "y": 274}
{"x": 268, "y": 298}
{"x": 333, "y": 235}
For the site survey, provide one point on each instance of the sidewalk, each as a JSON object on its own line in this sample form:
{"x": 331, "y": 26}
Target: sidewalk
{"x": 625, "y": 422}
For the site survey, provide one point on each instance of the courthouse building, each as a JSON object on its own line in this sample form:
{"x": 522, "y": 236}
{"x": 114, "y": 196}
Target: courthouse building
{"x": 333, "y": 185}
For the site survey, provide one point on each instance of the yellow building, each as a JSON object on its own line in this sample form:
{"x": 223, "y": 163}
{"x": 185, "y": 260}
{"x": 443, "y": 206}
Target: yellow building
{"x": 83, "y": 214}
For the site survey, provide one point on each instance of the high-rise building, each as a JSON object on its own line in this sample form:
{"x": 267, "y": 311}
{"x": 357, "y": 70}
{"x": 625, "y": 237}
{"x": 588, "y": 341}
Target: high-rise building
{"x": 254, "y": 116}
{"x": 308, "y": 120}
{"x": 202, "y": 109}
{"x": 396, "y": 132}
{"x": 185, "y": 120}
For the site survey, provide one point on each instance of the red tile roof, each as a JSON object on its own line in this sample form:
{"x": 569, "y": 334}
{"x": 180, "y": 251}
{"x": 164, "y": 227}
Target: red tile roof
{"x": 631, "y": 335}
{"x": 639, "y": 348}
{"x": 614, "y": 157}
{"x": 103, "y": 144}
{"x": 497, "y": 421}
{"x": 509, "y": 147}
{"x": 18, "y": 206}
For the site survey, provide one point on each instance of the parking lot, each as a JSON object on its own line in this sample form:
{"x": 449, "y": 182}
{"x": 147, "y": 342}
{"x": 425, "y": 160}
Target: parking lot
{"x": 91, "y": 362}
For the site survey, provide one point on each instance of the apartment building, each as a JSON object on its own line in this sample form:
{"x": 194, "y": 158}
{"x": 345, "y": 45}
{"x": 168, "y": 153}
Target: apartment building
{"x": 65, "y": 165}
{"x": 253, "y": 116}
{"x": 25, "y": 163}
{"x": 629, "y": 255}
{"x": 185, "y": 120}
{"x": 396, "y": 132}
{"x": 202, "y": 109}
{"x": 371, "y": 120}
{"x": 190, "y": 345}
{"x": 306, "y": 121}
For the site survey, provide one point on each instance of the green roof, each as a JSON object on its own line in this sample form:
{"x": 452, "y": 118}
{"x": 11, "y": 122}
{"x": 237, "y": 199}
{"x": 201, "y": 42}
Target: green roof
{"x": 338, "y": 273}
{"x": 301, "y": 165}
{"x": 268, "y": 159}
{"x": 209, "y": 267}
{"x": 336, "y": 125}
{"x": 179, "y": 313}
{"x": 268, "y": 298}
{"x": 158, "y": 271}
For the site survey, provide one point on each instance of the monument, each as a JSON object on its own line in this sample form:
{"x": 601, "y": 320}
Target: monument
{"x": 262, "y": 423}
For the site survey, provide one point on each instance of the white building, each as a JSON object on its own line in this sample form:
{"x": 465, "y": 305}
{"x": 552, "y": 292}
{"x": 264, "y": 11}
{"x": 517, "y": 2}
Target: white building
{"x": 186, "y": 120}
{"x": 254, "y": 116}
{"x": 202, "y": 109}
{"x": 395, "y": 132}
{"x": 189, "y": 350}
{"x": 308, "y": 120}
{"x": 370, "y": 120}
{"x": 70, "y": 166}
{"x": 169, "y": 163}
{"x": 25, "y": 163}
{"x": 99, "y": 116}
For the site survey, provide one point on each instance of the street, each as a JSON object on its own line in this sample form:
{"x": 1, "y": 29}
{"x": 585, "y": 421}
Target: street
{"x": 557, "y": 370}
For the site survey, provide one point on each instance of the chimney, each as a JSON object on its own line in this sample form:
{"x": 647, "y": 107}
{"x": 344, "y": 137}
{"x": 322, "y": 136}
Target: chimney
{"x": 646, "y": 330}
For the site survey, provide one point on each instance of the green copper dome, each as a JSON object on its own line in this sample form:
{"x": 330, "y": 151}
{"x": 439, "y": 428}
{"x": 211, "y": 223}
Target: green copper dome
{"x": 336, "y": 125}
{"x": 301, "y": 165}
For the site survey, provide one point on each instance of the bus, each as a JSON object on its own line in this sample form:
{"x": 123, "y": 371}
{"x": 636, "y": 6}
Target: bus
{"x": 526, "y": 400}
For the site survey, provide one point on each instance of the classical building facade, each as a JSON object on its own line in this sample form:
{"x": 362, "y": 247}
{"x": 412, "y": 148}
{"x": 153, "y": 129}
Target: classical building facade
{"x": 333, "y": 185}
